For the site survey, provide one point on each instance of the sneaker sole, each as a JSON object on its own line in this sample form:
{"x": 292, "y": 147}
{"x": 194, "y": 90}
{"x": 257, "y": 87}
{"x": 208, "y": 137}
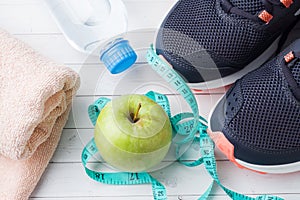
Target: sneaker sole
{"x": 274, "y": 169}
{"x": 227, "y": 149}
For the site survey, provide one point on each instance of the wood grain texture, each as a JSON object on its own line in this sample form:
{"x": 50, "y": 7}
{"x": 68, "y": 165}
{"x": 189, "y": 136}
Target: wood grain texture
{"x": 65, "y": 178}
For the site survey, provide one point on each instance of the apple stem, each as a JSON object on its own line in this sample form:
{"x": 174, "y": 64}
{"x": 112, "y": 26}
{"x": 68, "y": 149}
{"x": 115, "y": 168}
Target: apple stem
{"x": 135, "y": 117}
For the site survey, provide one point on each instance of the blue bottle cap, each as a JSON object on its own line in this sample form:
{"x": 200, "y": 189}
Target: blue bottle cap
{"x": 118, "y": 56}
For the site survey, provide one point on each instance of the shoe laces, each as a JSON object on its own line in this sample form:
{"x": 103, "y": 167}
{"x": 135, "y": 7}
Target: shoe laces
{"x": 291, "y": 58}
{"x": 263, "y": 16}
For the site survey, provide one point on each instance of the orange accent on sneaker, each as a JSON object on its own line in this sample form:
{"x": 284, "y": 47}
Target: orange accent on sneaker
{"x": 218, "y": 90}
{"x": 223, "y": 144}
{"x": 289, "y": 57}
{"x": 265, "y": 16}
{"x": 226, "y": 148}
{"x": 287, "y": 3}
{"x": 196, "y": 90}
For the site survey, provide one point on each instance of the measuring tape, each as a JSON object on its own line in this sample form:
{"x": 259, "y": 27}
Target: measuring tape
{"x": 193, "y": 130}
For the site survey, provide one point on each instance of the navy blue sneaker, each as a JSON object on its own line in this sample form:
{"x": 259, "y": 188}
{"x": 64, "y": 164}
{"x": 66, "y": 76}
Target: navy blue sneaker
{"x": 212, "y": 43}
{"x": 257, "y": 122}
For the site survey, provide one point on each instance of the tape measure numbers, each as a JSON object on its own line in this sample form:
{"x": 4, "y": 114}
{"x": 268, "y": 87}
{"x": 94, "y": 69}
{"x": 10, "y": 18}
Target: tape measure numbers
{"x": 190, "y": 126}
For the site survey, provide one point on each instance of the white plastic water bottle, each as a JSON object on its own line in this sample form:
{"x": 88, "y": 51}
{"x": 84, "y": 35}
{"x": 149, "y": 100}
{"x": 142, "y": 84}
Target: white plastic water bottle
{"x": 88, "y": 25}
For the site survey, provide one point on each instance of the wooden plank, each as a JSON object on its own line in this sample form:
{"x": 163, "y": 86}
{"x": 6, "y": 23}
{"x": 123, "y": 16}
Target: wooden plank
{"x": 79, "y": 117}
{"x": 69, "y": 180}
{"x": 28, "y": 18}
{"x": 175, "y": 197}
{"x": 97, "y": 80}
{"x": 144, "y": 197}
{"x": 22, "y": 2}
{"x": 56, "y": 47}
{"x": 34, "y": 17}
{"x": 73, "y": 141}
{"x": 18, "y": 2}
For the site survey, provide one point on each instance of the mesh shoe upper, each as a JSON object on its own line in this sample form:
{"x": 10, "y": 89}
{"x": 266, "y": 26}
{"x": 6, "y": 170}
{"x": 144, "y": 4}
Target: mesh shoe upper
{"x": 199, "y": 38}
{"x": 254, "y": 7}
{"x": 296, "y": 72}
{"x": 260, "y": 115}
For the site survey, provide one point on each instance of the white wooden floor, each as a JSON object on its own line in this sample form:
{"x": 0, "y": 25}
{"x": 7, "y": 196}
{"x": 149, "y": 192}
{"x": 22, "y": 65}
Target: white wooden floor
{"x": 65, "y": 178}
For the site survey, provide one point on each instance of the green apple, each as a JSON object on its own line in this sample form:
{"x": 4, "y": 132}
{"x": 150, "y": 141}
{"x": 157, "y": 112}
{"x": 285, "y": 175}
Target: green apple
{"x": 133, "y": 133}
